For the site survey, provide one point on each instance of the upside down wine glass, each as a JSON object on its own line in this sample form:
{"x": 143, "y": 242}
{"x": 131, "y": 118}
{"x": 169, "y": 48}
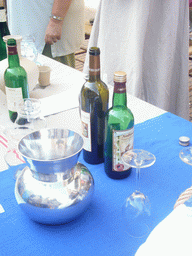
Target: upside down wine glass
{"x": 186, "y": 155}
{"x": 136, "y": 208}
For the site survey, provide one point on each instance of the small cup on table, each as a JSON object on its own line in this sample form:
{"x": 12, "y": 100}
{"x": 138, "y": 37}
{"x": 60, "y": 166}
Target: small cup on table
{"x": 44, "y": 75}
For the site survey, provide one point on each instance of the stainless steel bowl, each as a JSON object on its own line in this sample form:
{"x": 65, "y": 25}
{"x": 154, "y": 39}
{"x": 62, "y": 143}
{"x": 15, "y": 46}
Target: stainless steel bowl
{"x": 53, "y": 188}
{"x": 51, "y": 150}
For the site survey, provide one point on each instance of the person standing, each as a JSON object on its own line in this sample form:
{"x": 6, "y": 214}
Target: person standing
{"x": 149, "y": 40}
{"x": 56, "y": 25}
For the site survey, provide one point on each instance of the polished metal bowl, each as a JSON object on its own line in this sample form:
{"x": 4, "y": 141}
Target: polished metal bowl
{"x": 54, "y": 188}
{"x": 51, "y": 150}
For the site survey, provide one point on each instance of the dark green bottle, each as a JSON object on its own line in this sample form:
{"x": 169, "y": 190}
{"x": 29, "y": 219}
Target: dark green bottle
{"x": 119, "y": 130}
{"x": 3, "y": 51}
{"x": 15, "y": 77}
{"x": 4, "y": 31}
{"x": 94, "y": 99}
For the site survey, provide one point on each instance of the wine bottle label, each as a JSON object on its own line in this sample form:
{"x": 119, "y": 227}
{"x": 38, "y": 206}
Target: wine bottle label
{"x": 12, "y": 50}
{"x": 86, "y": 129}
{"x": 2, "y": 15}
{"x": 14, "y": 95}
{"x": 122, "y": 141}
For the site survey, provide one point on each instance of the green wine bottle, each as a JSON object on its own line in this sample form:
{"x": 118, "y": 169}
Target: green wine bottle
{"x": 119, "y": 130}
{"x": 15, "y": 77}
{"x": 3, "y": 32}
{"x": 94, "y": 99}
{"x": 3, "y": 52}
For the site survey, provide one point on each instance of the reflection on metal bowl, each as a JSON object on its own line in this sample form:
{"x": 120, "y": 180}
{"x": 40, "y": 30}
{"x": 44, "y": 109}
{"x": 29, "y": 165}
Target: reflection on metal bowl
{"x": 54, "y": 199}
{"x": 51, "y": 150}
{"x": 53, "y": 188}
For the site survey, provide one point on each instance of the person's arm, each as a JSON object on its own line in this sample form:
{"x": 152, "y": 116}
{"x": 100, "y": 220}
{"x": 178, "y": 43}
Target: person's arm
{"x": 54, "y": 28}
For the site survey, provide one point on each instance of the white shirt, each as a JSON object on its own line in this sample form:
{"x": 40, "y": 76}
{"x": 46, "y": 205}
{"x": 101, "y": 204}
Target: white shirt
{"x": 31, "y": 17}
{"x": 149, "y": 41}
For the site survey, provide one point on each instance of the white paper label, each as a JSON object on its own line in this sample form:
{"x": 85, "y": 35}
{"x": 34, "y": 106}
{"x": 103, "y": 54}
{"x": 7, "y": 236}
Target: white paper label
{"x": 86, "y": 129}
{"x": 14, "y": 95}
{"x": 122, "y": 141}
{"x": 2, "y": 15}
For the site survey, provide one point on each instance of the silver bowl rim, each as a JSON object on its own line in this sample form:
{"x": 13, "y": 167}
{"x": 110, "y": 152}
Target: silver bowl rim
{"x": 51, "y": 160}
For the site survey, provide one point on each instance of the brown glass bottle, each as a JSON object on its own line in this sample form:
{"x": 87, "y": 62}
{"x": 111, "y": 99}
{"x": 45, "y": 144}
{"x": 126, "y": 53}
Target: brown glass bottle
{"x": 94, "y": 99}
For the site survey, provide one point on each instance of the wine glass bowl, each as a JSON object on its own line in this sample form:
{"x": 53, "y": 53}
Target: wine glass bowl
{"x": 136, "y": 211}
{"x": 137, "y": 208}
{"x": 139, "y": 158}
{"x": 186, "y": 155}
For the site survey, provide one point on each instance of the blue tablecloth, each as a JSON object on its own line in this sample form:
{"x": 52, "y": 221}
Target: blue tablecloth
{"x": 101, "y": 230}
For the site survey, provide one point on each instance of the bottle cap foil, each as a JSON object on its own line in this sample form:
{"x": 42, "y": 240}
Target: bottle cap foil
{"x": 120, "y": 76}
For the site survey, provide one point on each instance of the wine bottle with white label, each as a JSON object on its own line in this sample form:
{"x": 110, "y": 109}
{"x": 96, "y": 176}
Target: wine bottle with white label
{"x": 119, "y": 130}
{"x": 15, "y": 77}
{"x": 94, "y": 99}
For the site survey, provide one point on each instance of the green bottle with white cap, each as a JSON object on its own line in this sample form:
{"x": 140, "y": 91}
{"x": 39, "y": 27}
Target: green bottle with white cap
{"x": 119, "y": 130}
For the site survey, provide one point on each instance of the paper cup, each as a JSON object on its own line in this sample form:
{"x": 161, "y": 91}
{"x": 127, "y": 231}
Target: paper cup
{"x": 44, "y": 75}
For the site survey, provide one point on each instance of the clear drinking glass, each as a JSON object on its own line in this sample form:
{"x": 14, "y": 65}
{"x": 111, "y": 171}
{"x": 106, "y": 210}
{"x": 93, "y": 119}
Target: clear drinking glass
{"x": 136, "y": 208}
{"x": 28, "y": 48}
{"x": 29, "y": 119}
{"x": 186, "y": 155}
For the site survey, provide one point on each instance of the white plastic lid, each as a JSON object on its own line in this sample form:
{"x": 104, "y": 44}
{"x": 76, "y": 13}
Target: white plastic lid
{"x": 184, "y": 141}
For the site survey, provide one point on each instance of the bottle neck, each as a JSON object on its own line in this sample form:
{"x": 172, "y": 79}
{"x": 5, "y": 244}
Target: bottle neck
{"x": 94, "y": 68}
{"x": 119, "y": 95}
{"x": 13, "y": 58}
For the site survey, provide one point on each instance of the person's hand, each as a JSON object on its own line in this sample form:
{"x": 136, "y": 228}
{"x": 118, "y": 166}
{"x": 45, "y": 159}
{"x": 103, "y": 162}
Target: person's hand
{"x": 53, "y": 31}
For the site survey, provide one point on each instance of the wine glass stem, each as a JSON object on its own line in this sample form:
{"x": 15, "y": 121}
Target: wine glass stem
{"x": 138, "y": 179}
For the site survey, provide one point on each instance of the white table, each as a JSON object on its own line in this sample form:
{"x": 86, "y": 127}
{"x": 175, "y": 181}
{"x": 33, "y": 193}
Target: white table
{"x": 60, "y": 100}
